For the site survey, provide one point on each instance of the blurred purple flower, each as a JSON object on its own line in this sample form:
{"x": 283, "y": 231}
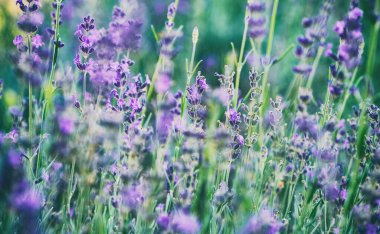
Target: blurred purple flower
{"x": 37, "y": 41}
{"x": 29, "y": 22}
{"x": 14, "y": 158}
{"x": 133, "y": 196}
{"x": 331, "y": 191}
{"x": 307, "y": 124}
{"x": 233, "y": 117}
{"x": 263, "y": 222}
{"x": 27, "y": 201}
{"x": 163, "y": 82}
{"x": 163, "y": 220}
{"x": 18, "y": 41}
{"x": 66, "y": 125}
{"x": 185, "y": 223}
{"x": 349, "y": 31}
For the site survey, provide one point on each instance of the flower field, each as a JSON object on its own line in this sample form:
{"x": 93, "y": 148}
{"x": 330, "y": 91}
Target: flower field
{"x": 190, "y": 116}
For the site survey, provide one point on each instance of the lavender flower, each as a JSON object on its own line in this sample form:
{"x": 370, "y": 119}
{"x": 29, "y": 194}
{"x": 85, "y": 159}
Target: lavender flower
{"x": 233, "y": 117}
{"x": 263, "y": 222}
{"x": 186, "y": 162}
{"x": 315, "y": 34}
{"x": 18, "y": 41}
{"x": 66, "y": 125}
{"x": 30, "y": 21}
{"x": 123, "y": 32}
{"x": 351, "y": 37}
{"x": 164, "y": 82}
{"x": 86, "y": 47}
{"x": 307, "y": 124}
{"x": 184, "y": 223}
{"x": 133, "y": 196}
{"x": 195, "y": 93}
{"x": 168, "y": 116}
{"x": 256, "y": 19}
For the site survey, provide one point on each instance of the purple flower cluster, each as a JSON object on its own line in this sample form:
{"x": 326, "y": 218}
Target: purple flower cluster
{"x": 256, "y": 19}
{"x": 54, "y": 20}
{"x": 194, "y": 95}
{"x": 168, "y": 118}
{"x": 350, "y": 49}
{"x": 191, "y": 161}
{"x": 178, "y": 222}
{"x": 314, "y": 37}
{"x": 123, "y": 32}
{"x": 31, "y": 61}
{"x": 349, "y": 32}
{"x": 263, "y": 222}
{"x": 31, "y": 18}
{"x": 86, "y": 47}
{"x": 167, "y": 52}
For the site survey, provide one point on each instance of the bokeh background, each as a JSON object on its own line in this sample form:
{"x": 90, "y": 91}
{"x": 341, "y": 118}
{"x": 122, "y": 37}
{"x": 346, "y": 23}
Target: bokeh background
{"x": 220, "y": 22}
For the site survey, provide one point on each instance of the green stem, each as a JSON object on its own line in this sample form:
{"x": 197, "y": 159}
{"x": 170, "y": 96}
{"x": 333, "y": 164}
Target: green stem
{"x": 266, "y": 71}
{"x": 154, "y": 77}
{"x": 271, "y": 30}
{"x": 190, "y": 74}
{"x": 240, "y": 65}
{"x": 372, "y": 54}
{"x": 30, "y": 117}
{"x": 308, "y": 199}
{"x": 30, "y": 112}
{"x": 56, "y": 41}
{"x": 315, "y": 66}
{"x": 354, "y": 185}
{"x": 30, "y": 98}
{"x": 325, "y": 105}
{"x": 346, "y": 95}
{"x": 325, "y": 214}
{"x": 84, "y": 88}
{"x": 290, "y": 198}
{"x": 49, "y": 89}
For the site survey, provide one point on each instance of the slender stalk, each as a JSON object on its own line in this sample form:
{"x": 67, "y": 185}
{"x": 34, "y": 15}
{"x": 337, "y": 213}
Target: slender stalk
{"x": 305, "y": 206}
{"x": 325, "y": 108}
{"x": 49, "y": 89}
{"x": 84, "y": 88}
{"x": 48, "y": 92}
{"x": 190, "y": 70}
{"x": 325, "y": 214}
{"x": 315, "y": 66}
{"x": 56, "y": 42}
{"x": 30, "y": 96}
{"x": 325, "y": 105}
{"x": 30, "y": 113}
{"x": 372, "y": 53}
{"x": 195, "y": 37}
{"x": 355, "y": 182}
{"x": 190, "y": 73}
{"x": 154, "y": 78}
{"x": 346, "y": 95}
{"x": 266, "y": 71}
{"x": 271, "y": 28}
{"x": 291, "y": 196}
{"x": 159, "y": 61}
{"x": 240, "y": 64}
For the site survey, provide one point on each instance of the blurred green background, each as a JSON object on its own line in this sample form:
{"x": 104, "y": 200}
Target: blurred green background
{"x": 220, "y": 22}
